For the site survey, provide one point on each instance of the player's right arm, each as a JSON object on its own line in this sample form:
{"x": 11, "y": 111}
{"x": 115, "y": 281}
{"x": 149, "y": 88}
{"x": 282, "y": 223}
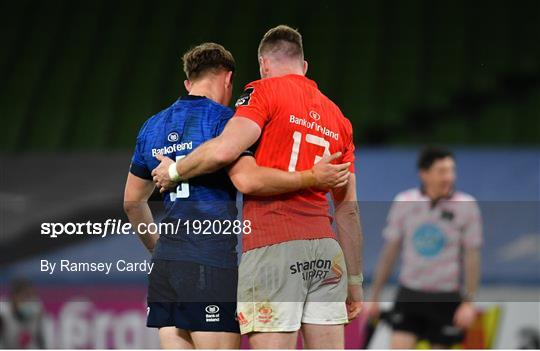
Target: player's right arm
{"x": 252, "y": 179}
{"x": 139, "y": 188}
{"x": 239, "y": 134}
{"x": 136, "y": 195}
{"x": 350, "y": 238}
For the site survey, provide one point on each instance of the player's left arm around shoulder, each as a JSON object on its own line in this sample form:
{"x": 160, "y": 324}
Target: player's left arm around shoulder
{"x": 251, "y": 179}
{"x": 349, "y": 229}
{"x": 349, "y": 235}
{"x": 136, "y": 195}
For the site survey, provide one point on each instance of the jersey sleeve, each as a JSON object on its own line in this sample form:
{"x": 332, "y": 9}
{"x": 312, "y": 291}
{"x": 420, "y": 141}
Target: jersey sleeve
{"x": 348, "y": 153}
{"x": 394, "y": 221}
{"x": 472, "y": 229}
{"x": 254, "y": 104}
{"x": 138, "y": 166}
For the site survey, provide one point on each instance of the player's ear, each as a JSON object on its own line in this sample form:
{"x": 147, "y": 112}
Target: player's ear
{"x": 262, "y": 67}
{"x": 305, "y": 67}
{"x": 187, "y": 85}
{"x": 229, "y": 78}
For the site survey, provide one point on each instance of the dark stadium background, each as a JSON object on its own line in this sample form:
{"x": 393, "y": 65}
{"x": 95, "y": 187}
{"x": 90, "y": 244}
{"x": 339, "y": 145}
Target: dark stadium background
{"x": 78, "y": 79}
{"x": 84, "y": 75}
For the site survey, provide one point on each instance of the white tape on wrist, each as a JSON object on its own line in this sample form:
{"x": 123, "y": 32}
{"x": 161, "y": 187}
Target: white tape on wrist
{"x": 173, "y": 173}
{"x": 355, "y": 279}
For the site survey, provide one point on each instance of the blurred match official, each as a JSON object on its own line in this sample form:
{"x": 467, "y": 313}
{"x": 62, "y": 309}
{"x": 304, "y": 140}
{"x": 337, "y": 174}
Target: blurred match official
{"x": 438, "y": 231}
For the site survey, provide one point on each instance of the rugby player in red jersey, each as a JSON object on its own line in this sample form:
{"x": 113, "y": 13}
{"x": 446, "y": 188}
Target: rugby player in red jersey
{"x": 294, "y": 274}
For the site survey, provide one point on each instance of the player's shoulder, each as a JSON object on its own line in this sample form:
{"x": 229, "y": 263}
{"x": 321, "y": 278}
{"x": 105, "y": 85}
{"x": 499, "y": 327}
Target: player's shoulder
{"x": 337, "y": 111}
{"x": 412, "y": 194}
{"x": 255, "y": 83}
{"x": 329, "y": 103}
{"x": 219, "y": 117}
{"x": 261, "y": 84}
{"x": 334, "y": 109}
{"x": 261, "y": 87}
{"x": 270, "y": 82}
{"x": 221, "y": 111}
{"x": 217, "y": 112}
{"x": 155, "y": 120}
{"x": 203, "y": 105}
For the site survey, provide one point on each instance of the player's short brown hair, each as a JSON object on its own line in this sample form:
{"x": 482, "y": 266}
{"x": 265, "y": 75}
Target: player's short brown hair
{"x": 283, "y": 40}
{"x": 205, "y": 58}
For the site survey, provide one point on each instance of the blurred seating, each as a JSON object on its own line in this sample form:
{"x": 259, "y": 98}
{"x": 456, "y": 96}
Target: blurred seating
{"x": 85, "y": 75}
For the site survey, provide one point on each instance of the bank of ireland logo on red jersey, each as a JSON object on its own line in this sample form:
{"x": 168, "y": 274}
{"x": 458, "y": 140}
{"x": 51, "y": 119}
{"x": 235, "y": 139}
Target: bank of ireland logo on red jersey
{"x": 314, "y": 115}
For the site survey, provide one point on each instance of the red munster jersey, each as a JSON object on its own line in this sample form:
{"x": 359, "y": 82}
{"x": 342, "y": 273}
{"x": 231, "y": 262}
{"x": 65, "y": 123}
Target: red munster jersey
{"x": 299, "y": 126}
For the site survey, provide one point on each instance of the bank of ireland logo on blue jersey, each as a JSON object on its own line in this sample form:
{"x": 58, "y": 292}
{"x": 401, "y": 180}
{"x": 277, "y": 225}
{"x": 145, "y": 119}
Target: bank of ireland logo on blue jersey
{"x": 173, "y": 137}
{"x": 428, "y": 240}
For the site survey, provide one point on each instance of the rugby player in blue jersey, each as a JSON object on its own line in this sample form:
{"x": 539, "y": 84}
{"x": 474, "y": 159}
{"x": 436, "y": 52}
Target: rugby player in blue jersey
{"x": 192, "y": 287}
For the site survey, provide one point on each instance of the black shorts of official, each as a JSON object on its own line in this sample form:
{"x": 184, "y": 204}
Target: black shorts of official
{"x": 192, "y": 297}
{"x": 427, "y": 315}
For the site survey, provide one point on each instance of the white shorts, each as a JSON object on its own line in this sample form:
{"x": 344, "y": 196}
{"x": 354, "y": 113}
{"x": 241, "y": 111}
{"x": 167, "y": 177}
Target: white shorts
{"x": 284, "y": 285}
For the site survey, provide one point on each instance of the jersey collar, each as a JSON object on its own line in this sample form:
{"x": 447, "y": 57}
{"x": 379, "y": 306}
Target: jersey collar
{"x": 304, "y": 78}
{"x": 192, "y": 97}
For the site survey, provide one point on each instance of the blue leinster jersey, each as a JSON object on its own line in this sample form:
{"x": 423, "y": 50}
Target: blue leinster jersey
{"x": 202, "y": 209}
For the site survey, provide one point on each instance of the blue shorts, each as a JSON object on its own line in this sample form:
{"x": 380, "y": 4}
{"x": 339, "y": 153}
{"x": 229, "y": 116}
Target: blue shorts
{"x": 192, "y": 297}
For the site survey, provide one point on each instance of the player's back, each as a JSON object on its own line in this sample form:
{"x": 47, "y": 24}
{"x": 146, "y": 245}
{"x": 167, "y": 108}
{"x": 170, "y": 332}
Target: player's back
{"x": 299, "y": 125}
{"x": 175, "y": 132}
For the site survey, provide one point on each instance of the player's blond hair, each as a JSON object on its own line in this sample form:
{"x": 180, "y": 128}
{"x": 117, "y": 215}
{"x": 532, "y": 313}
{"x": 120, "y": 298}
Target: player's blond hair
{"x": 282, "y": 40}
{"x": 205, "y": 58}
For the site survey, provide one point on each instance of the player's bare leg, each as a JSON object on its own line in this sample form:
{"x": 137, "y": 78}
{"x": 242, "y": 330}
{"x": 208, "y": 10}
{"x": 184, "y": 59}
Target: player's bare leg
{"x": 403, "y": 340}
{"x": 215, "y": 340}
{"x": 174, "y": 338}
{"x": 282, "y": 340}
{"x": 318, "y": 336}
